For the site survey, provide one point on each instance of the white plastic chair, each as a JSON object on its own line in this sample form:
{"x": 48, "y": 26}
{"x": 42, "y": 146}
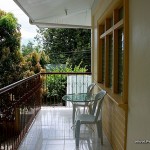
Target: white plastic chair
{"x": 94, "y": 118}
{"x": 89, "y": 94}
{"x": 84, "y": 104}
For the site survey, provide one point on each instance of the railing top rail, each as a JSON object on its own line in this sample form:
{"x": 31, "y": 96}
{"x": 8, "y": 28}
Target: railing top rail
{"x": 13, "y": 85}
{"x": 78, "y": 73}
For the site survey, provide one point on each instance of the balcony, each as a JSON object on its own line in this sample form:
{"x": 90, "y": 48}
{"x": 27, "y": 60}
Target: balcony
{"x": 52, "y": 130}
{"x": 33, "y": 115}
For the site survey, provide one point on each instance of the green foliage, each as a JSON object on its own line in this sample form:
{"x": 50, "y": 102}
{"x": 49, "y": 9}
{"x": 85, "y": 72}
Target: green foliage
{"x": 66, "y": 44}
{"x": 9, "y": 31}
{"x": 35, "y": 62}
{"x": 44, "y": 59}
{"x": 27, "y": 49}
{"x": 10, "y": 56}
{"x": 56, "y": 83}
{"x": 13, "y": 66}
{"x": 35, "y": 59}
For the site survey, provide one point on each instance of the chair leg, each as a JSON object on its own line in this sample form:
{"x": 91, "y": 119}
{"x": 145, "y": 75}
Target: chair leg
{"x": 77, "y": 133}
{"x": 99, "y": 130}
{"x": 90, "y": 108}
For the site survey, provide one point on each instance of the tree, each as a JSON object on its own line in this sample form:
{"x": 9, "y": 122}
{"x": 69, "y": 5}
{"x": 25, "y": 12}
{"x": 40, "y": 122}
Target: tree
{"x": 35, "y": 59}
{"x": 10, "y": 56}
{"x": 64, "y": 45}
{"x": 56, "y": 83}
{"x": 35, "y": 63}
{"x": 27, "y": 49}
{"x": 13, "y": 65}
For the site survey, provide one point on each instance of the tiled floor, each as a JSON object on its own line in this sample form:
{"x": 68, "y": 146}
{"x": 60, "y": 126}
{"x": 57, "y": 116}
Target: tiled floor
{"x": 52, "y": 130}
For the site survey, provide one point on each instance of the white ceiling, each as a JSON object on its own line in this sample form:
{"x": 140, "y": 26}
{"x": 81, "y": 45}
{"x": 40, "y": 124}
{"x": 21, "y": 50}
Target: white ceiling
{"x": 58, "y": 13}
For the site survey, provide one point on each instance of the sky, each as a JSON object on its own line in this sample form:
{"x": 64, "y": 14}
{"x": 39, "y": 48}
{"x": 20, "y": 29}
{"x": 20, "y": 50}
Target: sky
{"x": 28, "y": 31}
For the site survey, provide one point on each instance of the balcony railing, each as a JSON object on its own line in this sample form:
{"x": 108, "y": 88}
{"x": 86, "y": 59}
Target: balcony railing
{"x": 58, "y": 84}
{"x": 21, "y": 101}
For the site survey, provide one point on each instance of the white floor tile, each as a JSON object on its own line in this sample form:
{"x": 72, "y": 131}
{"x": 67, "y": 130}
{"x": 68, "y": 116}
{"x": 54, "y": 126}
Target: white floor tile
{"x": 52, "y": 130}
{"x": 54, "y": 147}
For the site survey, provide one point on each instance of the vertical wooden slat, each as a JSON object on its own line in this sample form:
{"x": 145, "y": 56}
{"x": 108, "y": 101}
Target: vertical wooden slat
{"x": 107, "y": 26}
{"x": 106, "y": 61}
{"x": 126, "y": 51}
{"x": 115, "y": 62}
{"x": 120, "y": 60}
{"x": 110, "y": 60}
{"x": 115, "y": 54}
{"x": 126, "y": 58}
{"x": 115, "y": 16}
{"x": 100, "y": 46}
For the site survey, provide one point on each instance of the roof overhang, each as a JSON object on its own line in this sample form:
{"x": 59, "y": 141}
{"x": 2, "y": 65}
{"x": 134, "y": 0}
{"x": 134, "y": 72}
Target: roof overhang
{"x": 58, "y": 13}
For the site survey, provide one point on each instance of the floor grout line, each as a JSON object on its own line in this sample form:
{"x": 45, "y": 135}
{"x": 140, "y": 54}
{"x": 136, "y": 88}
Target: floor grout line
{"x": 52, "y": 129}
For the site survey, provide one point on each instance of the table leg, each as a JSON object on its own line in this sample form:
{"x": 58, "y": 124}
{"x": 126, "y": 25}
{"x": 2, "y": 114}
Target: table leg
{"x": 73, "y": 113}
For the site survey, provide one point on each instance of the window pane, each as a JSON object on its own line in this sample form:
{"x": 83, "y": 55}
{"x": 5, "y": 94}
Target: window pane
{"x": 110, "y": 59}
{"x": 121, "y": 13}
{"x": 120, "y": 59}
{"x": 103, "y": 60}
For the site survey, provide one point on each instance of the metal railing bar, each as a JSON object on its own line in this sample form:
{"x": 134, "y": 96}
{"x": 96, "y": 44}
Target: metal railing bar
{"x": 70, "y": 73}
{"x": 13, "y": 85}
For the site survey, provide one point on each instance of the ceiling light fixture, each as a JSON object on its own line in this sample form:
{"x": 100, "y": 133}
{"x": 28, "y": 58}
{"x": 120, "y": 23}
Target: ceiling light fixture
{"x": 66, "y": 12}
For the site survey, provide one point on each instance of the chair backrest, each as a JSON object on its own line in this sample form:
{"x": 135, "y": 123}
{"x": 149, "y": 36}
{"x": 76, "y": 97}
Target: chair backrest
{"x": 89, "y": 89}
{"x": 98, "y": 103}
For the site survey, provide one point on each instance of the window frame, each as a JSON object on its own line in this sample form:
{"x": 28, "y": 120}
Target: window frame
{"x": 105, "y": 28}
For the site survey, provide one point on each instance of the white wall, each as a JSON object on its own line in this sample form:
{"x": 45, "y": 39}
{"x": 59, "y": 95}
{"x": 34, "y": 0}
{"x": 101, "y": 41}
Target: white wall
{"x": 139, "y": 74}
{"x": 77, "y": 84}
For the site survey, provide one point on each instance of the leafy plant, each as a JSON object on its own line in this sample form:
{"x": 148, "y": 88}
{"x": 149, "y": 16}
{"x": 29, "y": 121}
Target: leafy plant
{"x": 57, "y": 83}
{"x": 10, "y": 56}
{"x": 63, "y": 44}
{"x": 35, "y": 62}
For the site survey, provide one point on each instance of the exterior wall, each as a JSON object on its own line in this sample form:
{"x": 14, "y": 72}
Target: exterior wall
{"x": 114, "y": 124}
{"x": 139, "y": 75}
{"x": 114, "y": 117}
{"x": 98, "y": 9}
